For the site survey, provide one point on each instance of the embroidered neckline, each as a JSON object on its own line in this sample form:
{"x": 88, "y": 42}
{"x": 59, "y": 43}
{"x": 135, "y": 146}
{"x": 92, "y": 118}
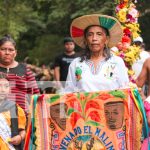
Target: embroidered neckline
{"x": 94, "y": 70}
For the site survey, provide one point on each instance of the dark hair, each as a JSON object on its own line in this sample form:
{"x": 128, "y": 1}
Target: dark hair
{"x": 87, "y": 53}
{"x": 113, "y": 102}
{"x": 68, "y": 39}
{"x": 87, "y": 29}
{"x": 7, "y": 38}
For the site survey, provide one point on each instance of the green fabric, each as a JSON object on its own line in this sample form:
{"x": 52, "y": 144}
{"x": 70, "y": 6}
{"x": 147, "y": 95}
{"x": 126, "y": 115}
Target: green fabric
{"x": 33, "y": 121}
{"x": 145, "y": 123}
{"x": 107, "y": 23}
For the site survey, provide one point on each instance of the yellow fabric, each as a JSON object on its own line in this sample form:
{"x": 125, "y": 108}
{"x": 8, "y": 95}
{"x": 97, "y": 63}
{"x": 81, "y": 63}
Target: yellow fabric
{"x": 21, "y": 124}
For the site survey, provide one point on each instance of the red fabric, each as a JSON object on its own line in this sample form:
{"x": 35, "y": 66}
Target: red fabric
{"x": 77, "y": 32}
{"x": 21, "y": 86}
{"x": 28, "y": 135}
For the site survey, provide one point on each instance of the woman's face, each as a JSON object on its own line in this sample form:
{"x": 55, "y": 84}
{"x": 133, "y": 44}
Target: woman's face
{"x": 96, "y": 38}
{"x": 7, "y": 53}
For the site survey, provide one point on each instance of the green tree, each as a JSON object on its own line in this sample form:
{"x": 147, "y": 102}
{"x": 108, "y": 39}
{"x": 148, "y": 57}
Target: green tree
{"x": 144, "y": 21}
{"x": 39, "y": 26}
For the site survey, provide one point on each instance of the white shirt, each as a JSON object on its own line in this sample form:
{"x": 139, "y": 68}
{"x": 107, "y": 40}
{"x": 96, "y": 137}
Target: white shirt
{"x": 137, "y": 66}
{"x": 109, "y": 75}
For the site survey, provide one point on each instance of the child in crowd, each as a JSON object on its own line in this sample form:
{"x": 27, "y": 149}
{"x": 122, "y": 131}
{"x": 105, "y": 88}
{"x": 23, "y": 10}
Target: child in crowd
{"x": 12, "y": 119}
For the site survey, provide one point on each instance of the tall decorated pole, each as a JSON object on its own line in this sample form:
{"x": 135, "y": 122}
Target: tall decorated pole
{"x": 127, "y": 14}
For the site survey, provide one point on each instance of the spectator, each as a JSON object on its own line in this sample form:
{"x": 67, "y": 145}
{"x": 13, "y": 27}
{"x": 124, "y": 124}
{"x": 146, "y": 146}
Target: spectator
{"x": 63, "y": 61}
{"x": 19, "y": 74}
{"x": 137, "y": 66}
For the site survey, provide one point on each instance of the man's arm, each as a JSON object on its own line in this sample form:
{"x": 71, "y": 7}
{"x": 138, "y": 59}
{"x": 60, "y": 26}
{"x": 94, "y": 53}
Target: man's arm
{"x": 57, "y": 73}
{"x": 57, "y": 77}
{"x": 142, "y": 78}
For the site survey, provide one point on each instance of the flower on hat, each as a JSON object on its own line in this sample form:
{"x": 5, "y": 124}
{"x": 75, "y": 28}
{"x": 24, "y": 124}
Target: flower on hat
{"x": 120, "y": 6}
{"x": 126, "y": 39}
{"x": 133, "y": 11}
{"x": 127, "y": 14}
{"x": 127, "y": 32}
{"x": 122, "y": 15}
{"x": 134, "y": 27}
{"x": 130, "y": 18}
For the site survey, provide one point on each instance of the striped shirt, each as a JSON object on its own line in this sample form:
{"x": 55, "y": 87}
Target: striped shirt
{"x": 23, "y": 85}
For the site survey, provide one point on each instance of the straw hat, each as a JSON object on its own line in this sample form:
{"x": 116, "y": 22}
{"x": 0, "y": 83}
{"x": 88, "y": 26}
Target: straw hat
{"x": 80, "y": 24}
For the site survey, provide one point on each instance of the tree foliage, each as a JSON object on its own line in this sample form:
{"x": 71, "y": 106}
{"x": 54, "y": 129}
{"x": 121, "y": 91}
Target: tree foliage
{"x": 39, "y": 26}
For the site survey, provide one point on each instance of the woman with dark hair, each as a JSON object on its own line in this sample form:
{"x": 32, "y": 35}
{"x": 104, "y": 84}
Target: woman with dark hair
{"x": 22, "y": 79}
{"x": 97, "y": 69}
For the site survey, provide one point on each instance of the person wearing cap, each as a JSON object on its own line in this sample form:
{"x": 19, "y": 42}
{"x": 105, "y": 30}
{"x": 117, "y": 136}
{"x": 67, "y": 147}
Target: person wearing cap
{"x": 63, "y": 61}
{"x": 97, "y": 69}
{"x": 137, "y": 66}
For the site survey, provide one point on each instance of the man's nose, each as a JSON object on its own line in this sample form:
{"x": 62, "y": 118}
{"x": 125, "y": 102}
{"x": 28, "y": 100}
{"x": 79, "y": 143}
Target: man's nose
{"x": 110, "y": 116}
{"x": 94, "y": 37}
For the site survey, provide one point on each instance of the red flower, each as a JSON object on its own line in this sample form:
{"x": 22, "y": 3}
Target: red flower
{"x": 126, "y": 39}
{"x": 105, "y": 96}
{"x": 122, "y": 5}
{"x": 76, "y": 105}
{"x": 92, "y": 104}
{"x": 127, "y": 32}
{"x": 74, "y": 118}
{"x": 94, "y": 116}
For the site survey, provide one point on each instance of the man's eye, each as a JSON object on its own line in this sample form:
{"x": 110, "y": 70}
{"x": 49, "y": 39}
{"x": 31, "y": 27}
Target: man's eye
{"x": 116, "y": 112}
{"x": 99, "y": 33}
{"x": 89, "y": 34}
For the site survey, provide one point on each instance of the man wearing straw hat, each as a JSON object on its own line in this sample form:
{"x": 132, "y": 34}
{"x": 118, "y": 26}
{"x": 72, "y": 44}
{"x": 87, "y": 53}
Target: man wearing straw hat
{"x": 97, "y": 69}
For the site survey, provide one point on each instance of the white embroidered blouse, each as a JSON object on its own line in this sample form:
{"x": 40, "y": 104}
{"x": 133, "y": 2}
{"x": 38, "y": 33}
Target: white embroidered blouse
{"x": 110, "y": 74}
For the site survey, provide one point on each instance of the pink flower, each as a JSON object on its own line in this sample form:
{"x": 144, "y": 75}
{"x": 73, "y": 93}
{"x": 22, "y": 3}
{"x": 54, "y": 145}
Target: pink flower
{"x": 133, "y": 12}
{"x": 121, "y": 55}
{"x": 130, "y": 18}
{"x": 117, "y": 9}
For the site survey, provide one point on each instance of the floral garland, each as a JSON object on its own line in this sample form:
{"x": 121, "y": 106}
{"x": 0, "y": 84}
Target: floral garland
{"x": 128, "y": 16}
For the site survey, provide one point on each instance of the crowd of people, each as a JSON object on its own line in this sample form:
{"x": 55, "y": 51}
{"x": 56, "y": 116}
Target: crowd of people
{"x": 94, "y": 70}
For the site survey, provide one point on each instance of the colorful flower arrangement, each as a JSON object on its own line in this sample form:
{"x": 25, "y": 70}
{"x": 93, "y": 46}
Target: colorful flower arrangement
{"x": 128, "y": 16}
